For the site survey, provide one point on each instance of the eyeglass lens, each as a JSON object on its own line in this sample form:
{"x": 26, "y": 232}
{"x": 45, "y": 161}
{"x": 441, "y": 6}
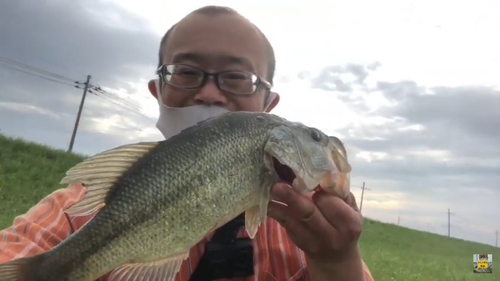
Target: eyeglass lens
{"x": 238, "y": 82}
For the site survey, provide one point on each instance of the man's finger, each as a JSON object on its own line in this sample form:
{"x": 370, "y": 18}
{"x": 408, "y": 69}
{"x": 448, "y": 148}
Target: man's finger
{"x": 302, "y": 207}
{"x": 302, "y": 212}
{"x": 335, "y": 210}
{"x": 279, "y": 212}
{"x": 303, "y": 232}
{"x": 351, "y": 200}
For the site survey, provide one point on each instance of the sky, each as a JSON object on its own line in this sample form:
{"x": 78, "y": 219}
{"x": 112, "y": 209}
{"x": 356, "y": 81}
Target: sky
{"x": 411, "y": 88}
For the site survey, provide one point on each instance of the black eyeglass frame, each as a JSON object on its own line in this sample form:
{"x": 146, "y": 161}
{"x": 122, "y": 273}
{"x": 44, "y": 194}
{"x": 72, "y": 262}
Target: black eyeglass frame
{"x": 160, "y": 71}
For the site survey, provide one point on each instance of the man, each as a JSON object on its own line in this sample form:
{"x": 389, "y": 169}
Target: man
{"x": 306, "y": 238}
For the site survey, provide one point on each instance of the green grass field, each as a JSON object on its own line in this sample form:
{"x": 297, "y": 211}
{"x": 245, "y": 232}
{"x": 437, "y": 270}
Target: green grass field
{"x": 29, "y": 172}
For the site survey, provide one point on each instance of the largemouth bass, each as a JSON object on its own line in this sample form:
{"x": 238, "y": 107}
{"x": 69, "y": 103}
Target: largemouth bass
{"x": 156, "y": 200}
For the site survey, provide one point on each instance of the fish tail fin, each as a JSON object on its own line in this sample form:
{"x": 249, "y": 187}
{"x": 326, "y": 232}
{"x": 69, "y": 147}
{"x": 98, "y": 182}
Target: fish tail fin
{"x": 22, "y": 269}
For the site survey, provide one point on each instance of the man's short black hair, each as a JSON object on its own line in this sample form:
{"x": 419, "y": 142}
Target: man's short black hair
{"x": 218, "y": 10}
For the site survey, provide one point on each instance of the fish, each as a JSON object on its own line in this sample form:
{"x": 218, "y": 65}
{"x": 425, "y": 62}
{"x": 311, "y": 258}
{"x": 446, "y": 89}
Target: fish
{"x": 156, "y": 200}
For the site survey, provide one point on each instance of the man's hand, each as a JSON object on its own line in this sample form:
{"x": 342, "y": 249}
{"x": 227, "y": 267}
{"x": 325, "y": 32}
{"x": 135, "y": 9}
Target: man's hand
{"x": 325, "y": 227}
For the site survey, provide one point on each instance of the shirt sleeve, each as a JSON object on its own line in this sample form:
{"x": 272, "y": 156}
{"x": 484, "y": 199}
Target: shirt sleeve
{"x": 44, "y": 226}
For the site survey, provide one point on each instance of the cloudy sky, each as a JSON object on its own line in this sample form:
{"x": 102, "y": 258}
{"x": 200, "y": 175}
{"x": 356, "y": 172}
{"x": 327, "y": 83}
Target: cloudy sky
{"x": 411, "y": 87}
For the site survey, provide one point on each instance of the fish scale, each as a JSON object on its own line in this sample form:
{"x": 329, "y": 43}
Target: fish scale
{"x": 156, "y": 200}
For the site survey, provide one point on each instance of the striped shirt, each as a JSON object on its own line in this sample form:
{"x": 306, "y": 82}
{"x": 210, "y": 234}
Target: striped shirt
{"x": 46, "y": 224}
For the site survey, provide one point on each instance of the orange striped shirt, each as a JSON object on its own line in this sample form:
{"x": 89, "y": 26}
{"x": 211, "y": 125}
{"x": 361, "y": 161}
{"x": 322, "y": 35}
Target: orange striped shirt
{"x": 45, "y": 225}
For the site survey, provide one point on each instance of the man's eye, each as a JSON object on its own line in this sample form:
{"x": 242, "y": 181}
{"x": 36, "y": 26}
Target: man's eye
{"x": 187, "y": 73}
{"x": 235, "y": 76}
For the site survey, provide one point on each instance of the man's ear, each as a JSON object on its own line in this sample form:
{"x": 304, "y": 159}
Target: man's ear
{"x": 273, "y": 103}
{"x": 152, "y": 88}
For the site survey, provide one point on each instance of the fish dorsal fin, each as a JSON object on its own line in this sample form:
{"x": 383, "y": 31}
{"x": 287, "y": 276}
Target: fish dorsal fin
{"x": 99, "y": 172}
{"x": 160, "y": 270}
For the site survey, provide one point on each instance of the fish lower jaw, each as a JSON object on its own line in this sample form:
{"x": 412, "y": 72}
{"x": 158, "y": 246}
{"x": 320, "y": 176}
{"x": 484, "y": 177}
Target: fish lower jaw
{"x": 328, "y": 180}
{"x": 335, "y": 183}
{"x": 304, "y": 186}
{"x": 298, "y": 180}
{"x": 299, "y": 185}
{"x": 331, "y": 182}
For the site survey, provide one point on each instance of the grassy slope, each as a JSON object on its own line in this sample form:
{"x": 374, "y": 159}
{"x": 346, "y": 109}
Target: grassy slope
{"x": 29, "y": 172}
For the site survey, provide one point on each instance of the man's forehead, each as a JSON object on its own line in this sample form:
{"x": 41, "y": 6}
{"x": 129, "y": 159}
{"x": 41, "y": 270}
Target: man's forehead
{"x": 228, "y": 37}
{"x": 197, "y": 19}
{"x": 201, "y": 56}
{"x": 226, "y": 23}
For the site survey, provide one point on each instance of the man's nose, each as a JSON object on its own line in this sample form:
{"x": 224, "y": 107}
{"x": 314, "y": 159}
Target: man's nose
{"x": 210, "y": 94}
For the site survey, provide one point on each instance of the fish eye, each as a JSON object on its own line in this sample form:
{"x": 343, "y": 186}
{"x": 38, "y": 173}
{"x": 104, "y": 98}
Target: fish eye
{"x": 315, "y": 135}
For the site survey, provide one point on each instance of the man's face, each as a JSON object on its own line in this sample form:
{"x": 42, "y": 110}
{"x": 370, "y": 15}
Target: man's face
{"x": 213, "y": 44}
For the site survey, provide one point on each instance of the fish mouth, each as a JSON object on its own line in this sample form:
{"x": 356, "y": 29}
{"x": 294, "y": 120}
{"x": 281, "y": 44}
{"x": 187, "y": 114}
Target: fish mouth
{"x": 330, "y": 181}
{"x": 294, "y": 177}
{"x": 284, "y": 172}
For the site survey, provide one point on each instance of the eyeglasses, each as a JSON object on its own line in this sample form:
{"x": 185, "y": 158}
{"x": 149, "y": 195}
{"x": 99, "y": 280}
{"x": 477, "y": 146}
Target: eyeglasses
{"x": 190, "y": 77}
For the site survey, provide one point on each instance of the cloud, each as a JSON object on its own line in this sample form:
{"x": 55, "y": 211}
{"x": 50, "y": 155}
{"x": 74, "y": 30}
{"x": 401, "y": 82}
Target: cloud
{"x": 441, "y": 130}
{"x": 74, "y": 39}
{"x": 413, "y": 122}
{"x": 342, "y": 78}
{"x": 95, "y": 37}
{"x": 420, "y": 149}
{"x": 435, "y": 147}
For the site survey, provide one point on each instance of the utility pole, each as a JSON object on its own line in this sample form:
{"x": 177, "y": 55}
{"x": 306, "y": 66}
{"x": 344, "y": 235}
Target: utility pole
{"x": 496, "y": 241}
{"x": 398, "y": 219}
{"x": 75, "y": 128}
{"x": 449, "y": 214}
{"x": 362, "y": 196}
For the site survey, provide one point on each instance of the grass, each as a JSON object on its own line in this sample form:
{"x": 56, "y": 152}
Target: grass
{"x": 29, "y": 172}
{"x": 396, "y": 253}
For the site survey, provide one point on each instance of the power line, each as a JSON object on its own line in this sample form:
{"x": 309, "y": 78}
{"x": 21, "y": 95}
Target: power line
{"x": 58, "y": 78}
{"x": 96, "y": 90}
{"x": 36, "y": 75}
{"x": 36, "y": 69}
{"x": 115, "y": 97}
{"x": 115, "y": 101}
{"x": 53, "y": 77}
{"x": 61, "y": 79}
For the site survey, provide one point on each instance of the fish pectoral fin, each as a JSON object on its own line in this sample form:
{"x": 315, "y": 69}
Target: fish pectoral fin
{"x": 100, "y": 172}
{"x": 252, "y": 220}
{"x": 256, "y": 214}
{"x": 159, "y": 270}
